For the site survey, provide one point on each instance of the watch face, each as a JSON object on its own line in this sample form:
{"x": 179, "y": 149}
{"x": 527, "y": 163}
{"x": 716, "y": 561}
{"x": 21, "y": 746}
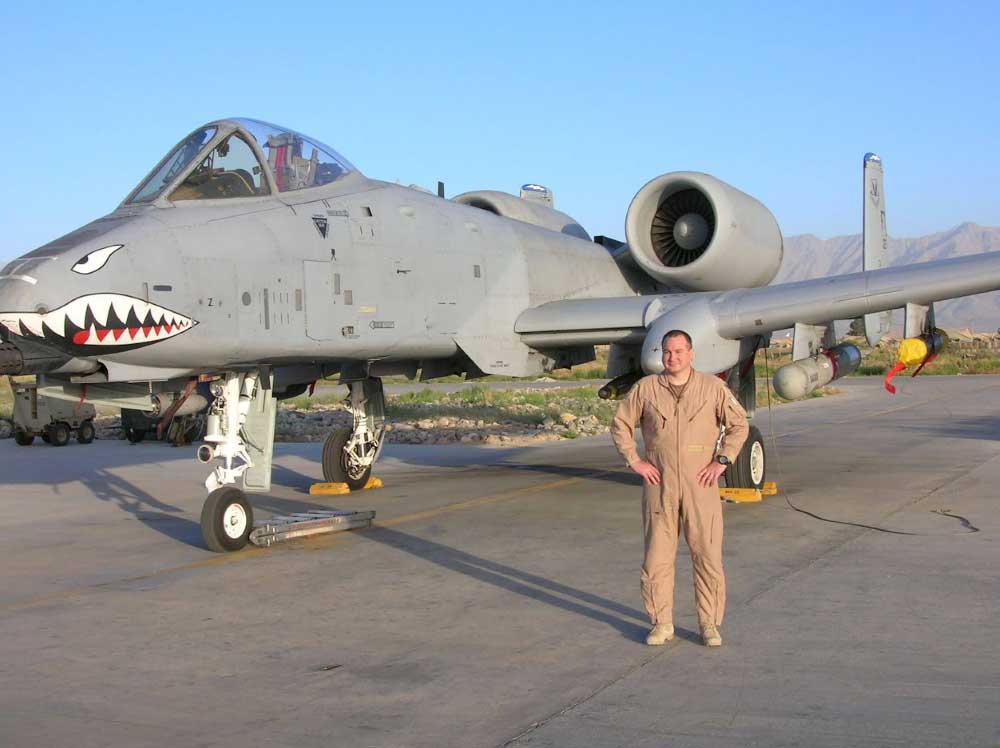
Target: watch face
{"x": 723, "y": 460}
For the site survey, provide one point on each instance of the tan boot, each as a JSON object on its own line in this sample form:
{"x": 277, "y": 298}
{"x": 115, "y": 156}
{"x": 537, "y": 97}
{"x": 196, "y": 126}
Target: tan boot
{"x": 660, "y": 634}
{"x": 711, "y": 637}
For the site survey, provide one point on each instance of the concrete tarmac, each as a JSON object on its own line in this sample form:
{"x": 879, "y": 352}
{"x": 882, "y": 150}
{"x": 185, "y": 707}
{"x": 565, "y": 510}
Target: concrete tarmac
{"x": 497, "y": 601}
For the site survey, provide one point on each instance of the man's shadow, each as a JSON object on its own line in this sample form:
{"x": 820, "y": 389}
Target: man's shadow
{"x": 523, "y": 583}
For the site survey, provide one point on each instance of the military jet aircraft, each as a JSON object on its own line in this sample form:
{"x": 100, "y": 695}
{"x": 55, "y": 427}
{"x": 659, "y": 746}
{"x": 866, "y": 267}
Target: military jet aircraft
{"x": 260, "y": 260}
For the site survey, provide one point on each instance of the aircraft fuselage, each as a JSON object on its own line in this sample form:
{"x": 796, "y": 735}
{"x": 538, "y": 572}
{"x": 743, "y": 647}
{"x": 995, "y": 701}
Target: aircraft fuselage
{"x": 358, "y": 270}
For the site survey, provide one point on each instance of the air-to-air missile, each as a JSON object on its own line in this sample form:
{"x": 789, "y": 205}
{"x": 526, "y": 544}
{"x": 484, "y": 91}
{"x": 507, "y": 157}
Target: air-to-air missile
{"x": 617, "y": 388}
{"x": 801, "y": 377}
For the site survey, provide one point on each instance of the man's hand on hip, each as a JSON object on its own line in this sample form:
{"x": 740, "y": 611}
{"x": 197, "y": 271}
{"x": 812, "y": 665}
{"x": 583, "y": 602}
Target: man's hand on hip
{"x": 650, "y": 475}
{"x": 709, "y": 475}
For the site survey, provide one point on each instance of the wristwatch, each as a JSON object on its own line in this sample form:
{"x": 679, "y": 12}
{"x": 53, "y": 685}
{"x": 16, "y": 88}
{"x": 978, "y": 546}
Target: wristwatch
{"x": 722, "y": 460}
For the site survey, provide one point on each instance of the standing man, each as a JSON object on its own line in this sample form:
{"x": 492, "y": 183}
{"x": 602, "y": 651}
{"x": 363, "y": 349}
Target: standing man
{"x": 681, "y": 412}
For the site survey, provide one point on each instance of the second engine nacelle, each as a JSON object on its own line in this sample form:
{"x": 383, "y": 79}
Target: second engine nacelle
{"x": 694, "y": 232}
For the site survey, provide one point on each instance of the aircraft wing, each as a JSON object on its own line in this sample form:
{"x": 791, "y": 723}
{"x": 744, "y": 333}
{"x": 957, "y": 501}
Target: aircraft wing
{"x": 717, "y": 321}
{"x": 748, "y": 311}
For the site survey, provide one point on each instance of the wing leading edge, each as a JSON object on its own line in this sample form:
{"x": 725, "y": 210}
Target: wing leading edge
{"x": 717, "y": 321}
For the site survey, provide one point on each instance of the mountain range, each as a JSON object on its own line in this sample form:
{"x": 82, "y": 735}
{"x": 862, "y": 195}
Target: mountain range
{"x": 807, "y": 256}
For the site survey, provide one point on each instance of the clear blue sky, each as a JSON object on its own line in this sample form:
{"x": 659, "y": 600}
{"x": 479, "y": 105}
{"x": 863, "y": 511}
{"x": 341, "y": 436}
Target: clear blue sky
{"x": 592, "y": 100}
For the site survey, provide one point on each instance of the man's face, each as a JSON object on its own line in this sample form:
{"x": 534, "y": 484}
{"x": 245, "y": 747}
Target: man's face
{"x": 677, "y": 355}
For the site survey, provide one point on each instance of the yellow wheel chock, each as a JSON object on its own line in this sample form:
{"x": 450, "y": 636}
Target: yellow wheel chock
{"x": 339, "y": 489}
{"x": 748, "y": 495}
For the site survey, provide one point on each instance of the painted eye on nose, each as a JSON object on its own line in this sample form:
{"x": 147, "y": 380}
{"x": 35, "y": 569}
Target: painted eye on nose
{"x": 94, "y": 261}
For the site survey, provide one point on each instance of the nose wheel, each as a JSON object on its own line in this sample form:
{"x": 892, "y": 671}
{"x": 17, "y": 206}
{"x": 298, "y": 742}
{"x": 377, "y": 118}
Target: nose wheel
{"x": 226, "y": 520}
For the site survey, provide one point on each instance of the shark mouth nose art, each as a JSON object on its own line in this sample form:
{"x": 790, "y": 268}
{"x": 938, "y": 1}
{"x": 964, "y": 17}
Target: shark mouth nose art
{"x": 99, "y": 323}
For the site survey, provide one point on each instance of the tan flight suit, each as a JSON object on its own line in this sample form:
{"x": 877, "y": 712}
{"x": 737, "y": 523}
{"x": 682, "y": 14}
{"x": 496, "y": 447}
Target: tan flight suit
{"x": 680, "y": 439}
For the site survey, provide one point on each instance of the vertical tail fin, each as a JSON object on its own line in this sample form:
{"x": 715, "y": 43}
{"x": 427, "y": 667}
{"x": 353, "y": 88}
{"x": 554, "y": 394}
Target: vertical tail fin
{"x": 876, "y": 240}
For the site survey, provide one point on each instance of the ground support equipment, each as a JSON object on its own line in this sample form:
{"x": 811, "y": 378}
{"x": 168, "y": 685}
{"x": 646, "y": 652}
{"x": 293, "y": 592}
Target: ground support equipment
{"x": 307, "y": 524}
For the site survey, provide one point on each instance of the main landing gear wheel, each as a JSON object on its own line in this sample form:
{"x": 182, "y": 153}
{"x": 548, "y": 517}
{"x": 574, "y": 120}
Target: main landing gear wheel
{"x": 750, "y": 468}
{"x": 226, "y": 520}
{"x": 59, "y": 434}
{"x": 23, "y": 438}
{"x": 85, "y": 433}
{"x": 335, "y": 464}
{"x": 134, "y": 435}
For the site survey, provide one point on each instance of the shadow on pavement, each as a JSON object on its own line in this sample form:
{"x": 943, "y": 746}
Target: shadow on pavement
{"x": 532, "y": 586}
{"x": 286, "y": 477}
{"x": 157, "y": 515}
{"x": 978, "y": 427}
{"x": 610, "y": 473}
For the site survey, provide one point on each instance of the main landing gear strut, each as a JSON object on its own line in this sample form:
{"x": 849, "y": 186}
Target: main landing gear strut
{"x": 349, "y": 453}
{"x": 240, "y": 434}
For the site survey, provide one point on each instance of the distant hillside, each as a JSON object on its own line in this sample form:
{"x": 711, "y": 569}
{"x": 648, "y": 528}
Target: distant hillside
{"x": 808, "y": 256}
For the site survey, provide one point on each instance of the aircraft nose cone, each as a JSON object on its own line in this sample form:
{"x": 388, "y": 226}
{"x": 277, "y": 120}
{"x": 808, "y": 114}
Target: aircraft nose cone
{"x": 690, "y": 231}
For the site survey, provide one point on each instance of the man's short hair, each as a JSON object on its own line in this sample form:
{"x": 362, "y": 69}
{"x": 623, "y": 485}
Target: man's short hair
{"x": 674, "y": 334}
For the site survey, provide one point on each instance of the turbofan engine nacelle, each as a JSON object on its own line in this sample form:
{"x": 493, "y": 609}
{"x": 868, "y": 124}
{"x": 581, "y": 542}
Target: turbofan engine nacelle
{"x": 694, "y": 232}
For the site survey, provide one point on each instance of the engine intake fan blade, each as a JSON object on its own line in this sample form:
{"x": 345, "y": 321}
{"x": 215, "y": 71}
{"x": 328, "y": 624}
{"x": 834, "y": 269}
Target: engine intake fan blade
{"x": 683, "y": 227}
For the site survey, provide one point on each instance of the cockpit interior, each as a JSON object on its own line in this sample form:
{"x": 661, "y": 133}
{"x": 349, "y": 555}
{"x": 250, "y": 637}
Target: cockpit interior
{"x": 240, "y": 158}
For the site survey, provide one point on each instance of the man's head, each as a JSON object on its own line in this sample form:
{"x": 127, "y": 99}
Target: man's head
{"x": 677, "y": 352}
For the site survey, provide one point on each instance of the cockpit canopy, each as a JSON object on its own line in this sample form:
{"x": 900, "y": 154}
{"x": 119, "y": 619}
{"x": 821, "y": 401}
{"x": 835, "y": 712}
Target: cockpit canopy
{"x": 237, "y": 158}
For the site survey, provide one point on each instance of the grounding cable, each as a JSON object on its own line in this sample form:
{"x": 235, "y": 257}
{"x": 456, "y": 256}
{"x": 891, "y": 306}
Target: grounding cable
{"x": 968, "y": 526}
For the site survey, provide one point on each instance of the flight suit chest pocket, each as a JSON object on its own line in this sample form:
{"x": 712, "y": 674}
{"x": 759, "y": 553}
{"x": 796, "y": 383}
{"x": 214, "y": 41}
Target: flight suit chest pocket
{"x": 654, "y": 418}
{"x": 696, "y": 411}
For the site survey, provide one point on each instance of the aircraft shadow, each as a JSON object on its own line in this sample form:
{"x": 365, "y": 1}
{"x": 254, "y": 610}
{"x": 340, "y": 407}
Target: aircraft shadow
{"x": 157, "y": 515}
{"x": 42, "y": 463}
{"x": 283, "y": 476}
{"x": 976, "y": 427}
{"x": 532, "y": 586}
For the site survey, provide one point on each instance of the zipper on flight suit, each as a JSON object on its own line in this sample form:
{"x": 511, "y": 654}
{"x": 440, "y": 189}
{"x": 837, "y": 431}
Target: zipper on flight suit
{"x": 677, "y": 444}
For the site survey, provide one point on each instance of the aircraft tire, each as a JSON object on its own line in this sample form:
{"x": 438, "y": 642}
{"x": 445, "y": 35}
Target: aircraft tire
{"x": 59, "y": 434}
{"x": 85, "y": 433}
{"x": 134, "y": 435}
{"x": 226, "y": 520}
{"x": 23, "y": 438}
{"x": 334, "y": 470}
{"x": 750, "y": 468}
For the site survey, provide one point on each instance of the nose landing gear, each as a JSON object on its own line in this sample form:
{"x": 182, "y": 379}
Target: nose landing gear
{"x": 227, "y": 517}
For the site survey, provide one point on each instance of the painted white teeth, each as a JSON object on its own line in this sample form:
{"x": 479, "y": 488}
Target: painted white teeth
{"x": 56, "y": 321}
{"x": 101, "y": 310}
{"x": 103, "y": 330}
{"x": 77, "y": 312}
{"x": 33, "y": 322}
{"x": 122, "y": 307}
